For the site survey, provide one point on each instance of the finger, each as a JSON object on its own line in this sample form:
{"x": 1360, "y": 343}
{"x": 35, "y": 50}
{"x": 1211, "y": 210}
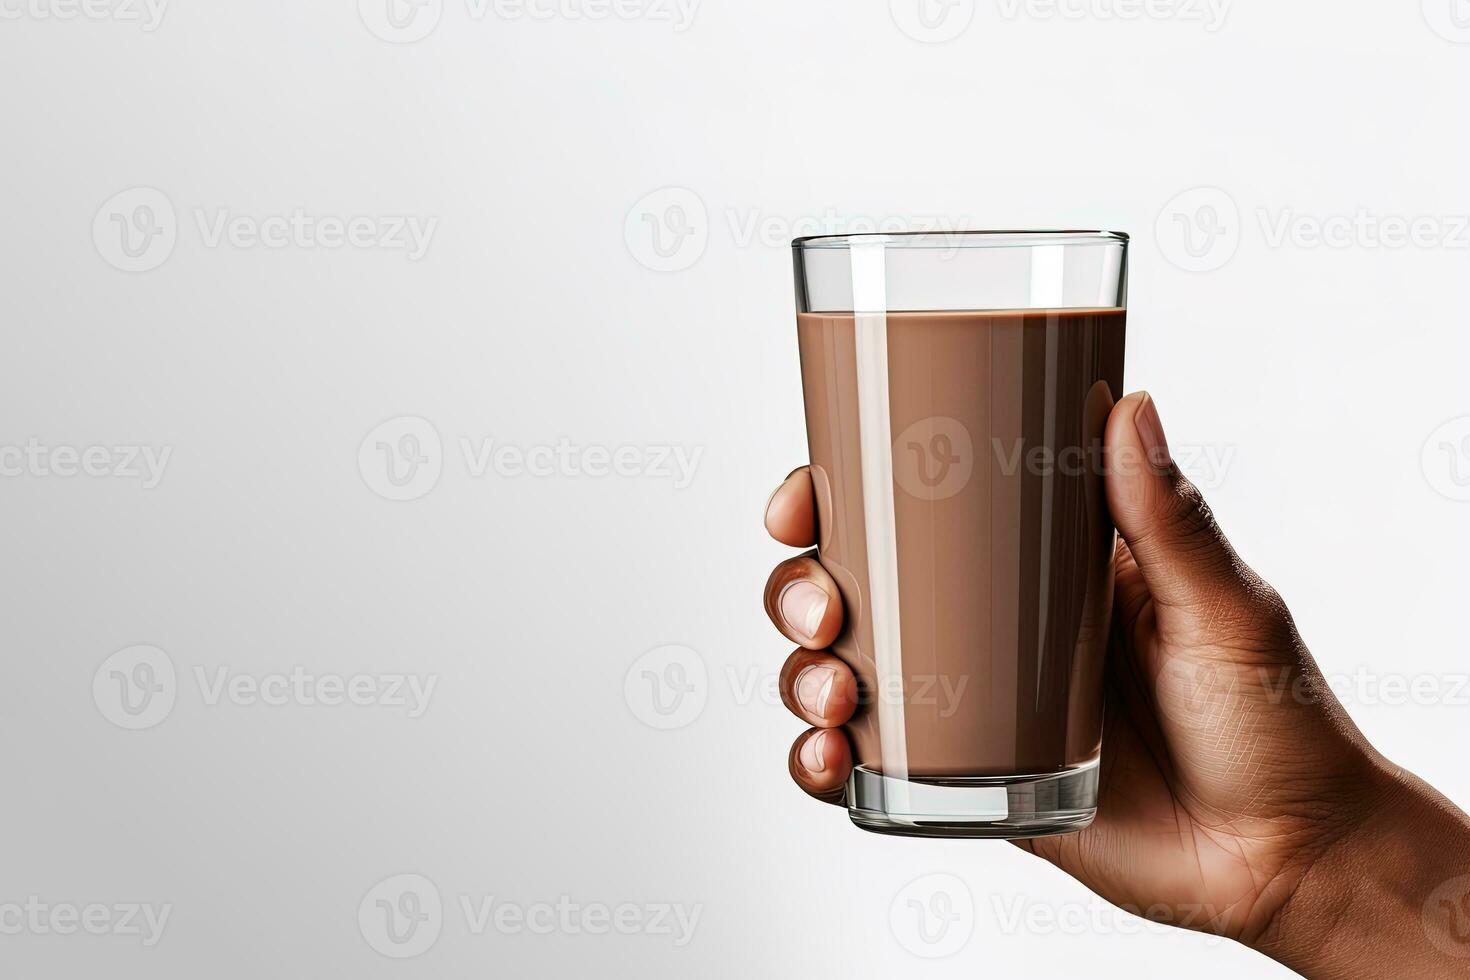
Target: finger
{"x": 1183, "y": 556}
{"x": 818, "y": 688}
{"x": 791, "y": 513}
{"x": 1130, "y": 592}
{"x": 803, "y": 602}
{"x": 820, "y": 762}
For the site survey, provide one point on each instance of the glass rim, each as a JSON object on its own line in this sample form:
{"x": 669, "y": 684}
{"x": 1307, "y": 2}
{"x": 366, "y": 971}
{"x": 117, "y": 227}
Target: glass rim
{"x": 964, "y": 239}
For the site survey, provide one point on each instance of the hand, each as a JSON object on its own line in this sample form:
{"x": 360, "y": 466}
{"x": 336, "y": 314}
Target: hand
{"x": 1236, "y": 794}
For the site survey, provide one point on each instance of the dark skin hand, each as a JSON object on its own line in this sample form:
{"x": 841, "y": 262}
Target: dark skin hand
{"x": 1237, "y": 796}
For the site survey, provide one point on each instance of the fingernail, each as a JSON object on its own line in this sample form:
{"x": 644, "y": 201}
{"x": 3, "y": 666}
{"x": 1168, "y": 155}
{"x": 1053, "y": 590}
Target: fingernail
{"x": 803, "y": 607}
{"x": 766, "y": 514}
{"x": 814, "y": 688}
{"x": 1151, "y": 432}
{"x": 772, "y": 498}
{"x": 810, "y": 755}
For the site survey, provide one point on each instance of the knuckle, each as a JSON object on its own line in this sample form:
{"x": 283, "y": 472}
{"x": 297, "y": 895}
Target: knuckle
{"x": 1251, "y": 615}
{"x": 1188, "y": 518}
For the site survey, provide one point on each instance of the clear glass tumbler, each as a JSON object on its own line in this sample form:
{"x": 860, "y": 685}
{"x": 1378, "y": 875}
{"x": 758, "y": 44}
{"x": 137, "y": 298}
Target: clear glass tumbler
{"x": 957, "y": 386}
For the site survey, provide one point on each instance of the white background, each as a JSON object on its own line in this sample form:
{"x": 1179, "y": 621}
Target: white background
{"x": 537, "y": 314}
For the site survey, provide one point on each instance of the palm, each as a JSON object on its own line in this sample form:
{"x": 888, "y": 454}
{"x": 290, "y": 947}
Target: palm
{"x": 1195, "y": 819}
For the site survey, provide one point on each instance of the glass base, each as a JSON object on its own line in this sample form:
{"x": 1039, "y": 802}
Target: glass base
{"x": 1004, "y": 807}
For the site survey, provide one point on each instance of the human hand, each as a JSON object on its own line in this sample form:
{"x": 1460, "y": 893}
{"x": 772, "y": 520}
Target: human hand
{"x": 1236, "y": 795}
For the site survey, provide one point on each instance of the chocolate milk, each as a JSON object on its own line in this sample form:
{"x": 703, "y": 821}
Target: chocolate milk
{"x": 994, "y": 628}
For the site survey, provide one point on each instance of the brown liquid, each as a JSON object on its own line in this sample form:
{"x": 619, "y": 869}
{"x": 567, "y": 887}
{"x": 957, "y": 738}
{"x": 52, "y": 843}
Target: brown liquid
{"x": 1002, "y": 538}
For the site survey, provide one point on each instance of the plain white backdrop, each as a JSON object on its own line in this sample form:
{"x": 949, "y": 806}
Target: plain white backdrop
{"x": 390, "y": 394}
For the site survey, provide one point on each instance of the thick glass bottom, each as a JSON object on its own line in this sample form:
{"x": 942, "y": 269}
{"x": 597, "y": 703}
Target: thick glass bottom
{"x": 1004, "y": 807}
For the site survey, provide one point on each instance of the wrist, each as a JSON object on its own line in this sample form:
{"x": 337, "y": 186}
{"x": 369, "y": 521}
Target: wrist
{"x": 1389, "y": 894}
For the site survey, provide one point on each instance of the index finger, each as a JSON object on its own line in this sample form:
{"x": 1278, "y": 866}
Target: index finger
{"x": 791, "y": 513}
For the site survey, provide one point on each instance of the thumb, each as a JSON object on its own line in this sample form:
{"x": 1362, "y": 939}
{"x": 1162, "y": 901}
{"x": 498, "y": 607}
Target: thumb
{"x": 1184, "y": 557}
